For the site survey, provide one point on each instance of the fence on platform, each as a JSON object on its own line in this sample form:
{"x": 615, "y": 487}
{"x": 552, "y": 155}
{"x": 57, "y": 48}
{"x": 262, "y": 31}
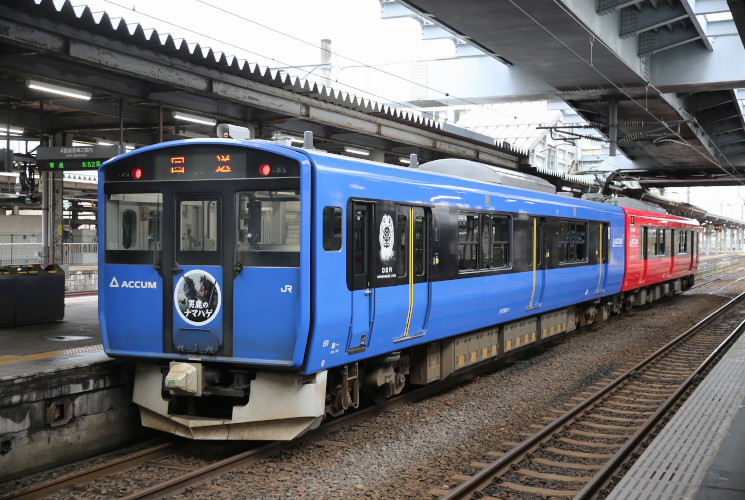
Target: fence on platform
{"x": 73, "y": 254}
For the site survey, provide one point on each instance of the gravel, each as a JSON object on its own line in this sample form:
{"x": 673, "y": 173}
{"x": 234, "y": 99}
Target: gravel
{"x": 407, "y": 451}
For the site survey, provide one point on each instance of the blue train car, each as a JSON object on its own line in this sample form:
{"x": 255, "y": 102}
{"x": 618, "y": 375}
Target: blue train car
{"x": 261, "y": 287}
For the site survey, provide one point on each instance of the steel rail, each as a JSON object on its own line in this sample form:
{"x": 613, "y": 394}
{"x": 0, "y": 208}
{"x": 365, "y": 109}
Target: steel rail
{"x": 210, "y": 471}
{"x": 605, "y": 474}
{"x": 83, "y": 476}
{"x": 484, "y": 477}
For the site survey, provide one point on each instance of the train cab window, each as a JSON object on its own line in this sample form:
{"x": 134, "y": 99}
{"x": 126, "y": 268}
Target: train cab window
{"x": 468, "y": 242}
{"x": 198, "y": 225}
{"x": 268, "y": 232}
{"x": 133, "y": 221}
{"x": 332, "y": 236}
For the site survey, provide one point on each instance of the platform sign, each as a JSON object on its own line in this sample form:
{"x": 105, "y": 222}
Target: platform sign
{"x": 63, "y": 158}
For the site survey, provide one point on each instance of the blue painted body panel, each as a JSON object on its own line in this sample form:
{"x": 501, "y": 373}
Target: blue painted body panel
{"x": 131, "y": 315}
{"x": 459, "y": 305}
{"x": 265, "y": 329}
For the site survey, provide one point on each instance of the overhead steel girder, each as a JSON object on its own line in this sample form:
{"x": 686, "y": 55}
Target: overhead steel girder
{"x": 723, "y": 140}
{"x": 633, "y": 21}
{"x": 723, "y": 126}
{"x": 688, "y": 68}
{"x": 109, "y": 109}
{"x": 607, "y": 6}
{"x": 706, "y": 100}
{"x": 653, "y": 42}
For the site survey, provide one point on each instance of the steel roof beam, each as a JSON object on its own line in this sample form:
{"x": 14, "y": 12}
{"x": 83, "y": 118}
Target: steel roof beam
{"x": 711, "y": 6}
{"x": 651, "y": 42}
{"x": 688, "y": 68}
{"x": 608, "y": 6}
{"x": 721, "y": 28}
{"x": 633, "y": 21}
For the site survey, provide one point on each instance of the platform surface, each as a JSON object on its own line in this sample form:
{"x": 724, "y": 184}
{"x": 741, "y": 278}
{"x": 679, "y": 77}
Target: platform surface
{"x": 44, "y": 347}
{"x": 700, "y": 454}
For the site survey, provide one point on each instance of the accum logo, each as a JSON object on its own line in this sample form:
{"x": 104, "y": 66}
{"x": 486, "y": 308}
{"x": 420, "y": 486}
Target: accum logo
{"x": 132, "y": 284}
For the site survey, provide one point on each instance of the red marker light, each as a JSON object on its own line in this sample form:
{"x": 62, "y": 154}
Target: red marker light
{"x": 137, "y": 173}
{"x": 265, "y": 169}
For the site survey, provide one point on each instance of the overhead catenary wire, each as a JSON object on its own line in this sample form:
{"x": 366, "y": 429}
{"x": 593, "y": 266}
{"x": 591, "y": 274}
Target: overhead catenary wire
{"x": 662, "y": 122}
{"x": 286, "y": 65}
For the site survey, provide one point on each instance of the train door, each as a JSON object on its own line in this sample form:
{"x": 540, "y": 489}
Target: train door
{"x": 419, "y": 221}
{"x": 603, "y": 255}
{"x": 644, "y": 249}
{"x": 673, "y": 250}
{"x": 196, "y": 265}
{"x": 362, "y": 269}
{"x": 538, "y": 260}
{"x": 693, "y": 244}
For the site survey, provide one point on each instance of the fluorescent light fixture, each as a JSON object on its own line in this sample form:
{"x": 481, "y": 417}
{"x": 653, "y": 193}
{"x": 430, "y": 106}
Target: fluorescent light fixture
{"x": 296, "y": 140}
{"x": 14, "y": 131}
{"x": 405, "y": 161}
{"x": 355, "y": 151}
{"x": 58, "y": 89}
{"x": 82, "y": 143}
{"x": 178, "y": 115}
{"x": 128, "y": 147}
{"x": 105, "y": 143}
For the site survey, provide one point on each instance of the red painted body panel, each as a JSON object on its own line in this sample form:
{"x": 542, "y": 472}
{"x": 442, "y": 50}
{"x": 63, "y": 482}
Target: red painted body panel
{"x": 657, "y": 268}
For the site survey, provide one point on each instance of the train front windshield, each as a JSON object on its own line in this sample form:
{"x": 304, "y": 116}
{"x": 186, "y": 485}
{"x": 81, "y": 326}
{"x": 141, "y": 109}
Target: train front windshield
{"x": 196, "y": 237}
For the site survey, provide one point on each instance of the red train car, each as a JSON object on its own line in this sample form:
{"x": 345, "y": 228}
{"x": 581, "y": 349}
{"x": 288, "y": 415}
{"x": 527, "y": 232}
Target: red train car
{"x": 661, "y": 255}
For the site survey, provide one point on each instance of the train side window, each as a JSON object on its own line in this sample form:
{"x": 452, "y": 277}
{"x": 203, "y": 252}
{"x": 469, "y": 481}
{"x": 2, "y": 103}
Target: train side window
{"x": 660, "y": 247}
{"x": 564, "y": 241}
{"x": 652, "y": 242}
{"x": 332, "y": 235}
{"x": 419, "y": 248}
{"x": 682, "y": 242}
{"x": 580, "y": 237}
{"x": 500, "y": 242}
{"x": 572, "y": 242}
{"x": 486, "y": 237}
{"x": 402, "y": 254}
{"x": 359, "y": 242}
{"x": 468, "y": 242}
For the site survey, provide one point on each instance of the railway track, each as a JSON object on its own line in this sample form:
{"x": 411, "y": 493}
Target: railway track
{"x": 170, "y": 467}
{"x": 721, "y": 275}
{"x": 581, "y": 453}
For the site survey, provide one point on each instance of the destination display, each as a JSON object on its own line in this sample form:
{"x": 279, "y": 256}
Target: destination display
{"x": 202, "y": 162}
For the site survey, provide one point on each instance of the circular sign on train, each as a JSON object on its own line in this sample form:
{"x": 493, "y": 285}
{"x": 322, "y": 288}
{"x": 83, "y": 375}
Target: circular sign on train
{"x": 197, "y": 297}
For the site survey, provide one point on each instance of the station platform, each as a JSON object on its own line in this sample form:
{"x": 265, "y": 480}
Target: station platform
{"x": 77, "y": 333}
{"x": 700, "y": 453}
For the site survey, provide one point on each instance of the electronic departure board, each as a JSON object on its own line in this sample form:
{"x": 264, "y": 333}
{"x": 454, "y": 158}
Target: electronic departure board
{"x": 69, "y": 158}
